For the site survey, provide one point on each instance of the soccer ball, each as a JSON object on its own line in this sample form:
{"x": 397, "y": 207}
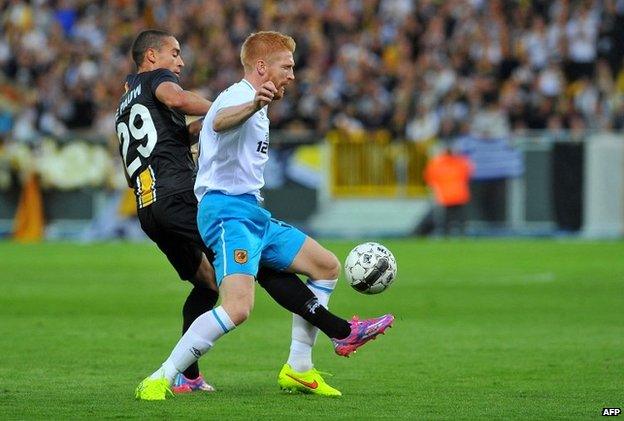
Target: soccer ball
{"x": 370, "y": 268}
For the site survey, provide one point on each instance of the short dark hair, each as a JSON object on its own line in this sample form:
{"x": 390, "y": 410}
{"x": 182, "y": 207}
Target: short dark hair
{"x": 151, "y": 38}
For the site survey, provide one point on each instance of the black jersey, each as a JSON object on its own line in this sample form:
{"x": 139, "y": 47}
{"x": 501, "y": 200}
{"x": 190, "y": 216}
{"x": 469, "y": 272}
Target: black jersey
{"x": 153, "y": 140}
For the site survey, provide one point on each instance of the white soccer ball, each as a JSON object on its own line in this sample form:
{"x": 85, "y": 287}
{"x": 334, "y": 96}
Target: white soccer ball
{"x": 370, "y": 268}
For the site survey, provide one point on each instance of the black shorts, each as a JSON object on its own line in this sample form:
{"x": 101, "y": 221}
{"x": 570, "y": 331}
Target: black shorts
{"x": 171, "y": 222}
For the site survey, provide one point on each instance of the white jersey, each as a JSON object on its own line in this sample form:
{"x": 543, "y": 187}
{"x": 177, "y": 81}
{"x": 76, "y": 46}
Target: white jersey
{"x": 233, "y": 161}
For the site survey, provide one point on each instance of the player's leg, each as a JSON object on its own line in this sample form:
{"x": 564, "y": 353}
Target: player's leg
{"x": 309, "y": 307}
{"x": 200, "y": 300}
{"x": 289, "y": 292}
{"x": 237, "y": 296}
{"x": 196, "y": 341}
{"x": 284, "y": 245}
{"x": 232, "y": 227}
{"x": 292, "y": 294}
{"x": 237, "y": 245}
{"x": 314, "y": 260}
{"x": 322, "y": 267}
{"x": 192, "y": 265}
{"x": 177, "y": 236}
{"x": 310, "y": 312}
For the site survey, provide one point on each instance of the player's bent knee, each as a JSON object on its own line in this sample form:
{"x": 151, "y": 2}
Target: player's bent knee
{"x": 329, "y": 267}
{"x": 238, "y": 309}
{"x": 237, "y": 292}
{"x": 334, "y": 267}
{"x": 238, "y": 313}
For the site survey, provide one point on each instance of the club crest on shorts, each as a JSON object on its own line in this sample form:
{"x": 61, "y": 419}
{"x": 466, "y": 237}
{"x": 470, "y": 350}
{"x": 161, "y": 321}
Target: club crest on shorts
{"x": 240, "y": 256}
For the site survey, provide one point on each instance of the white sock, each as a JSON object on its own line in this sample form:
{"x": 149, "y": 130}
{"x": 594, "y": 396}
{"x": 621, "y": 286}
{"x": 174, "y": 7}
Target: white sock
{"x": 303, "y": 333}
{"x": 198, "y": 339}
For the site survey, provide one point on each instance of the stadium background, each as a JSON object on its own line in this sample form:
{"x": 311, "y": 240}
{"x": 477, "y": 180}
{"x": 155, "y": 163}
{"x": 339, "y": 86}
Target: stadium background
{"x": 531, "y": 91}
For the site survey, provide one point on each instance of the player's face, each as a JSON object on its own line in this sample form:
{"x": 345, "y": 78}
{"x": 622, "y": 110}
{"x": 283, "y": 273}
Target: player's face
{"x": 168, "y": 57}
{"x": 281, "y": 71}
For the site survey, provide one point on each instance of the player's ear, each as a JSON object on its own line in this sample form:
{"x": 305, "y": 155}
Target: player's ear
{"x": 261, "y": 67}
{"x": 150, "y": 55}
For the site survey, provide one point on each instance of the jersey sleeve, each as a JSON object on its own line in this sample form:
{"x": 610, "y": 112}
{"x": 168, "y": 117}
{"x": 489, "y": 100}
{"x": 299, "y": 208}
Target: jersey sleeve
{"x": 232, "y": 97}
{"x": 160, "y": 76}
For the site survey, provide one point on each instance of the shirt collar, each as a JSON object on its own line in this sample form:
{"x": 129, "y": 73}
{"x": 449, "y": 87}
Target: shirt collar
{"x": 246, "y": 82}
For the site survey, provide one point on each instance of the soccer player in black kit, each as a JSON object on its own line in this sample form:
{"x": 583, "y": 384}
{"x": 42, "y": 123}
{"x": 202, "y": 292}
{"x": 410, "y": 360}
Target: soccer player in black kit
{"x": 154, "y": 143}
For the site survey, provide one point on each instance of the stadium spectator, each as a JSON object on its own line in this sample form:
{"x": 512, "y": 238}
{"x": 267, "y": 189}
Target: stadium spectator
{"x": 369, "y": 64}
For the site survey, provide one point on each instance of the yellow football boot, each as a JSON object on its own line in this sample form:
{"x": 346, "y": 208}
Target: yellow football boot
{"x": 153, "y": 389}
{"x": 310, "y": 381}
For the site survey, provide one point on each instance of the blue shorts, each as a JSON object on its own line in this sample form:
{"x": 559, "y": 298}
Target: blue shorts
{"x": 243, "y": 235}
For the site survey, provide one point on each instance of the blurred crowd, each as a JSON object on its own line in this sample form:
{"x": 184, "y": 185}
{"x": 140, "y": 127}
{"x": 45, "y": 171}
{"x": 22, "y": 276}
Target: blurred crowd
{"x": 422, "y": 69}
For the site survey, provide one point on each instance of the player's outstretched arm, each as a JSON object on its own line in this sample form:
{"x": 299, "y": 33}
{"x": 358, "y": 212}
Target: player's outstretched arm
{"x": 173, "y": 96}
{"x": 230, "y": 117}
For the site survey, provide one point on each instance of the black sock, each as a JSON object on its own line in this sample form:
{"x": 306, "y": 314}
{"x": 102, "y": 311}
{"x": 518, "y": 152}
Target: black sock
{"x": 330, "y": 324}
{"x": 199, "y": 301}
{"x": 292, "y": 294}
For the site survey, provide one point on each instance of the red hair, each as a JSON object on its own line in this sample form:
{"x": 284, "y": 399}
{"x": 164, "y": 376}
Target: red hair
{"x": 261, "y": 45}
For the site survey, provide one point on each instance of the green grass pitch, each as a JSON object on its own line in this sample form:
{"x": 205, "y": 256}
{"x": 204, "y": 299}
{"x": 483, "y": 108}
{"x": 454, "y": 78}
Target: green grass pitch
{"x": 484, "y": 328}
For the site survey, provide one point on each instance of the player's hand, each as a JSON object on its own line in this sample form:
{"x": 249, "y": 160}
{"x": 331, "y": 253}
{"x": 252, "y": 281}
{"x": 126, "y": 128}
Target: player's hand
{"x": 265, "y": 94}
{"x": 195, "y": 127}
